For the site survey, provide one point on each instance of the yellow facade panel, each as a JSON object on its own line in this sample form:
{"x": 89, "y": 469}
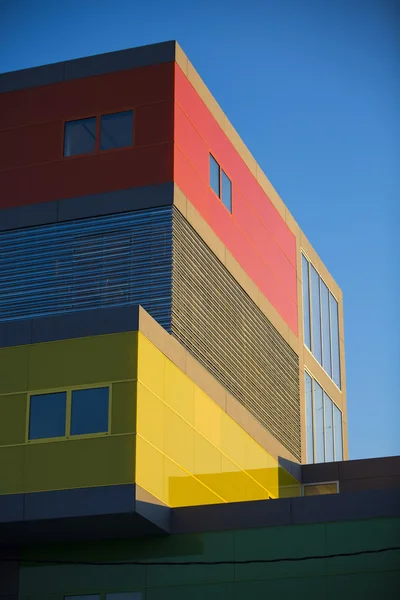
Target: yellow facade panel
{"x": 179, "y": 440}
{"x": 208, "y": 417}
{"x": 123, "y": 415}
{"x": 151, "y": 367}
{"x": 13, "y": 415}
{"x": 182, "y": 489}
{"x": 12, "y": 467}
{"x": 149, "y": 473}
{"x": 14, "y": 367}
{"x": 150, "y": 416}
{"x": 179, "y": 392}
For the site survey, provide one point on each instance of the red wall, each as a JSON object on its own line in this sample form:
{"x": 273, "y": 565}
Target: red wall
{"x": 255, "y": 233}
{"x": 32, "y": 167}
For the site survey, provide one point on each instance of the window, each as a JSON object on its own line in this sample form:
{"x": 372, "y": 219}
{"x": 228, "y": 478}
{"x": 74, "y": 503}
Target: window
{"x": 70, "y": 413}
{"x": 324, "y": 438}
{"x": 81, "y": 136}
{"x": 116, "y": 596}
{"x": 47, "y": 415}
{"x": 220, "y": 184}
{"x": 116, "y": 130}
{"x": 84, "y": 597}
{"x": 317, "y": 489}
{"x": 321, "y": 321}
{"x": 89, "y": 411}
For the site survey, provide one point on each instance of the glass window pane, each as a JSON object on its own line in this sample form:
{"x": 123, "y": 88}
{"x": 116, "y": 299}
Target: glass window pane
{"x": 329, "y": 457}
{"x": 116, "y": 130}
{"x": 89, "y": 411}
{"x": 84, "y": 597}
{"x": 80, "y": 137}
{"x": 306, "y": 303}
{"x": 47, "y": 415}
{"x": 309, "y": 420}
{"x": 214, "y": 176}
{"x": 226, "y": 191}
{"x": 316, "y": 315}
{"x": 326, "y": 330}
{"x": 319, "y": 423}
{"x": 125, "y": 596}
{"x": 335, "y": 340}
{"x": 317, "y": 489}
{"x": 337, "y": 419}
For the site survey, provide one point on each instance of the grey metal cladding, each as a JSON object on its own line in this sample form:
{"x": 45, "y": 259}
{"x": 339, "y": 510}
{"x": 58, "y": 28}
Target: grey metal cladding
{"x": 218, "y": 323}
{"x": 28, "y": 216}
{"x": 100, "y": 64}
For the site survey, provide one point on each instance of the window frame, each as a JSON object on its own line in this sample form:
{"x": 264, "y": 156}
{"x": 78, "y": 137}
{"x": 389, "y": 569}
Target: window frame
{"x": 68, "y": 413}
{"x": 222, "y": 172}
{"x": 97, "y": 150}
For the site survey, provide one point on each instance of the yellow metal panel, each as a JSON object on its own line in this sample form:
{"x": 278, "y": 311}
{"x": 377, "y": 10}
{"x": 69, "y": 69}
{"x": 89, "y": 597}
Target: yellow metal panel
{"x": 207, "y": 460}
{"x": 123, "y": 410}
{"x": 150, "y": 469}
{"x": 13, "y": 409}
{"x": 208, "y": 416}
{"x": 150, "y": 417}
{"x": 179, "y": 392}
{"x": 12, "y": 459}
{"x": 178, "y": 440}
{"x": 107, "y": 460}
{"x": 14, "y": 369}
{"x": 151, "y": 366}
{"x": 184, "y": 490}
{"x": 233, "y": 440}
{"x": 83, "y": 361}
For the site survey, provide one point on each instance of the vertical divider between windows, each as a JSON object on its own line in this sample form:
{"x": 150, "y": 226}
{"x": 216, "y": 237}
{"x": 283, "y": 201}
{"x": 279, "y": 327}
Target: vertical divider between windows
{"x": 28, "y": 416}
{"x": 68, "y": 414}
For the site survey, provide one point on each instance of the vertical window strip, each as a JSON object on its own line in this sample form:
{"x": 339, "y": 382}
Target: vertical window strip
{"x": 334, "y": 317}
{"x": 328, "y": 428}
{"x": 338, "y": 433}
{"x": 319, "y": 456}
{"x": 316, "y": 315}
{"x": 309, "y": 420}
{"x": 326, "y": 329}
{"x": 306, "y": 302}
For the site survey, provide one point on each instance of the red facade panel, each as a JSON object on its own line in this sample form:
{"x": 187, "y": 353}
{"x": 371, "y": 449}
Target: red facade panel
{"x": 255, "y": 233}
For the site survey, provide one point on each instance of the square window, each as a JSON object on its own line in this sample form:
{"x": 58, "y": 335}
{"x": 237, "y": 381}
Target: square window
{"x": 226, "y": 191}
{"x": 116, "y": 130}
{"x": 47, "y": 416}
{"x": 214, "y": 176}
{"x": 80, "y": 137}
{"x": 89, "y": 411}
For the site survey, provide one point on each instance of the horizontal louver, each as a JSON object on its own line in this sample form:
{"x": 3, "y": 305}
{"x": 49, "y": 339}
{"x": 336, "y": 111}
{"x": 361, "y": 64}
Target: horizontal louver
{"x": 91, "y": 263}
{"x": 220, "y": 325}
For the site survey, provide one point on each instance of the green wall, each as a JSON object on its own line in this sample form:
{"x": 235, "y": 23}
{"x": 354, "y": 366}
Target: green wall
{"x": 366, "y": 576}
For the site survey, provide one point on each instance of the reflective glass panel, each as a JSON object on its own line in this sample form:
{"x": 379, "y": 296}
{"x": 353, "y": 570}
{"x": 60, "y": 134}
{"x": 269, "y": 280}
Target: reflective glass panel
{"x": 309, "y": 420}
{"x": 89, "y": 411}
{"x": 326, "y": 330}
{"x": 337, "y": 420}
{"x": 47, "y": 415}
{"x": 316, "y": 315}
{"x": 80, "y": 137}
{"x": 116, "y": 130}
{"x": 329, "y": 457}
{"x": 319, "y": 423}
{"x": 214, "y": 176}
{"x": 317, "y": 489}
{"x": 226, "y": 191}
{"x": 306, "y": 303}
{"x": 335, "y": 340}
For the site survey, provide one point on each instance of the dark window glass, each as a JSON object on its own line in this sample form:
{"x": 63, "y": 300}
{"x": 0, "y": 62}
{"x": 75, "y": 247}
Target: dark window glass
{"x": 306, "y": 303}
{"x": 316, "y": 315}
{"x": 84, "y": 597}
{"x": 89, "y": 412}
{"x": 317, "y": 489}
{"x": 309, "y": 420}
{"x": 326, "y": 330}
{"x": 80, "y": 137}
{"x": 335, "y": 340}
{"x": 319, "y": 423}
{"x": 328, "y": 406}
{"x": 116, "y": 130}
{"x": 337, "y": 420}
{"x": 47, "y": 415}
{"x": 214, "y": 176}
{"x": 226, "y": 191}
{"x": 125, "y": 596}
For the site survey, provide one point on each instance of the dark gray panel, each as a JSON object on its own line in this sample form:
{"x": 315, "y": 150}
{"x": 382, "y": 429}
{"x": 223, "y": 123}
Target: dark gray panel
{"x": 28, "y": 216}
{"x": 370, "y": 483}
{"x": 237, "y": 515}
{"x": 290, "y": 466}
{"x": 84, "y": 323}
{"x": 371, "y": 467}
{"x": 26, "y": 78}
{"x": 150, "y": 196}
{"x": 79, "y": 502}
{"x": 15, "y": 333}
{"x": 121, "y": 60}
{"x": 155, "y": 513}
{"x": 11, "y": 508}
{"x": 9, "y": 579}
{"x": 319, "y": 472}
{"x": 340, "y": 507}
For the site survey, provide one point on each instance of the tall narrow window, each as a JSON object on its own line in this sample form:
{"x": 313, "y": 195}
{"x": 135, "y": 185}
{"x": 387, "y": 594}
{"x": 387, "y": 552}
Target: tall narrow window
{"x": 215, "y": 176}
{"x": 319, "y": 424}
{"x": 309, "y": 419}
{"x": 116, "y": 130}
{"x": 335, "y": 340}
{"x": 326, "y": 330}
{"x": 306, "y": 303}
{"x": 338, "y": 436}
{"x": 226, "y": 191}
{"x": 316, "y": 315}
{"x": 328, "y": 422}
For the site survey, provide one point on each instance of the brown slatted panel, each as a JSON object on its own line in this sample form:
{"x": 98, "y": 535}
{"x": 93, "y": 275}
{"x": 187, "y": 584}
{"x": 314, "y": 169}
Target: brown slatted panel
{"x": 214, "y": 318}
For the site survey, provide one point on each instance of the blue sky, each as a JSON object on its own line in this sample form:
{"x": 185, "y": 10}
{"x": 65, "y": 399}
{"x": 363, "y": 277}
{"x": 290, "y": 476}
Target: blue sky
{"x": 322, "y": 76}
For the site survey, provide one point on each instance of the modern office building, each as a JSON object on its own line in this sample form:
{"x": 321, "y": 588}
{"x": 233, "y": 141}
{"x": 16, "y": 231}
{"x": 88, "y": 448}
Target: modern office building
{"x": 169, "y": 339}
